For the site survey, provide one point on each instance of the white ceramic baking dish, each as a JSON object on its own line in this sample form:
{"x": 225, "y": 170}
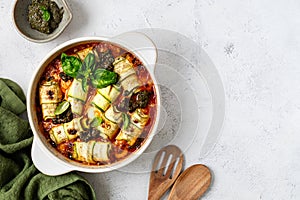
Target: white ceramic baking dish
{"x": 46, "y": 158}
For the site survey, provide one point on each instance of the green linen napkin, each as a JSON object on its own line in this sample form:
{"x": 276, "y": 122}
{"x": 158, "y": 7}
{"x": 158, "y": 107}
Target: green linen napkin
{"x": 19, "y": 179}
{"x": 9, "y": 98}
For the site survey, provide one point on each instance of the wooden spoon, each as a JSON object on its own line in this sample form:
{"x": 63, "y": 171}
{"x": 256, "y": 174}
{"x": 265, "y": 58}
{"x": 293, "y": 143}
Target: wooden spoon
{"x": 166, "y": 167}
{"x": 191, "y": 184}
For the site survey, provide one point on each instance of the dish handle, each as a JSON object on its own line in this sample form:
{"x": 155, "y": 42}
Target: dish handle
{"x": 140, "y": 44}
{"x": 50, "y": 165}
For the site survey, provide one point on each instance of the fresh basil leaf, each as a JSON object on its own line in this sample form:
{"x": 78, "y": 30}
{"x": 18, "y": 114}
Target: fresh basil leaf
{"x": 46, "y": 15}
{"x": 86, "y": 69}
{"x": 80, "y": 75}
{"x": 62, "y": 107}
{"x": 70, "y": 64}
{"x": 89, "y": 62}
{"x": 102, "y": 78}
{"x": 84, "y": 84}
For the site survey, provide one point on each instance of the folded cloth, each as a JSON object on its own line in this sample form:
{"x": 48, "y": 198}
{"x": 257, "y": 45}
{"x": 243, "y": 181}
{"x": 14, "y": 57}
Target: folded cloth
{"x": 9, "y": 98}
{"x": 15, "y": 88}
{"x": 19, "y": 179}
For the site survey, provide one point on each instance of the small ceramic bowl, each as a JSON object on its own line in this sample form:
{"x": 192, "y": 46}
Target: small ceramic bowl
{"x": 46, "y": 158}
{"x": 20, "y": 14}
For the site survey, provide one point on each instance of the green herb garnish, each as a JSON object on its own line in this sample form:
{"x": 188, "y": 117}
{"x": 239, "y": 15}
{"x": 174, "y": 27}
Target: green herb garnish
{"x": 46, "y": 13}
{"x": 103, "y": 78}
{"x": 89, "y": 62}
{"x": 96, "y": 122}
{"x": 126, "y": 120}
{"x": 70, "y": 64}
{"x": 87, "y": 72}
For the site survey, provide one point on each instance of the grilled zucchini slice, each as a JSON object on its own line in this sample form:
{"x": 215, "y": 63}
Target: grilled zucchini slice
{"x": 140, "y": 118}
{"x": 83, "y": 53}
{"x": 110, "y": 92}
{"x": 91, "y": 151}
{"x": 50, "y": 93}
{"x": 48, "y": 110}
{"x": 58, "y": 135}
{"x": 84, "y": 122}
{"x": 76, "y": 90}
{"x": 113, "y": 115}
{"x": 127, "y": 73}
{"x": 121, "y": 65}
{"x": 76, "y": 105}
{"x": 105, "y": 92}
{"x": 91, "y": 145}
{"x": 93, "y": 112}
{"x": 77, "y": 124}
{"x": 80, "y": 151}
{"x": 114, "y": 93}
{"x": 73, "y": 128}
{"x": 130, "y": 83}
{"x": 109, "y": 128}
{"x": 130, "y": 135}
{"x": 101, "y": 151}
{"x": 101, "y": 102}
{"x": 70, "y": 130}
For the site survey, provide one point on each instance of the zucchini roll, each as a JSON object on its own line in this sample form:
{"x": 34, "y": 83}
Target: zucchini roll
{"x": 110, "y": 92}
{"x": 92, "y": 151}
{"x": 77, "y": 97}
{"x": 131, "y": 132}
{"x": 49, "y": 95}
{"x": 76, "y": 90}
{"x": 128, "y": 77}
{"x": 67, "y": 131}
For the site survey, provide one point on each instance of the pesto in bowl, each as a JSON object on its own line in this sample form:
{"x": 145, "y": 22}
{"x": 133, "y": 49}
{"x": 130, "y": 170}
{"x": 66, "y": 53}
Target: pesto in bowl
{"x": 22, "y": 26}
{"x": 44, "y": 15}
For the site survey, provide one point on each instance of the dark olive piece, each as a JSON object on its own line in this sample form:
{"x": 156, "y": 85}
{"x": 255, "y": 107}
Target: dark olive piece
{"x": 106, "y": 60}
{"x": 89, "y": 135}
{"x": 53, "y": 143}
{"x": 139, "y": 100}
{"x": 70, "y": 156}
{"x": 65, "y": 77}
{"x": 49, "y": 78}
{"x": 65, "y": 117}
{"x": 72, "y": 131}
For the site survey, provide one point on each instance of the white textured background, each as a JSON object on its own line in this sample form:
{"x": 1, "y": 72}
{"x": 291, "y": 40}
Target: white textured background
{"x": 255, "y": 45}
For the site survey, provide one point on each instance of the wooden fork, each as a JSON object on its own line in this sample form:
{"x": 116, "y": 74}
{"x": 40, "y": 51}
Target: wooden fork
{"x": 166, "y": 167}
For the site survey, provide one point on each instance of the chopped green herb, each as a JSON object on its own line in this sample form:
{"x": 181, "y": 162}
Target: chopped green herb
{"x": 46, "y": 13}
{"x": 70, "y": 64}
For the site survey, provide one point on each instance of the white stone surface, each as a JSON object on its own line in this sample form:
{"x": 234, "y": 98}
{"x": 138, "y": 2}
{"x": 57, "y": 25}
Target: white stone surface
{"x": 255, "y": 46}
